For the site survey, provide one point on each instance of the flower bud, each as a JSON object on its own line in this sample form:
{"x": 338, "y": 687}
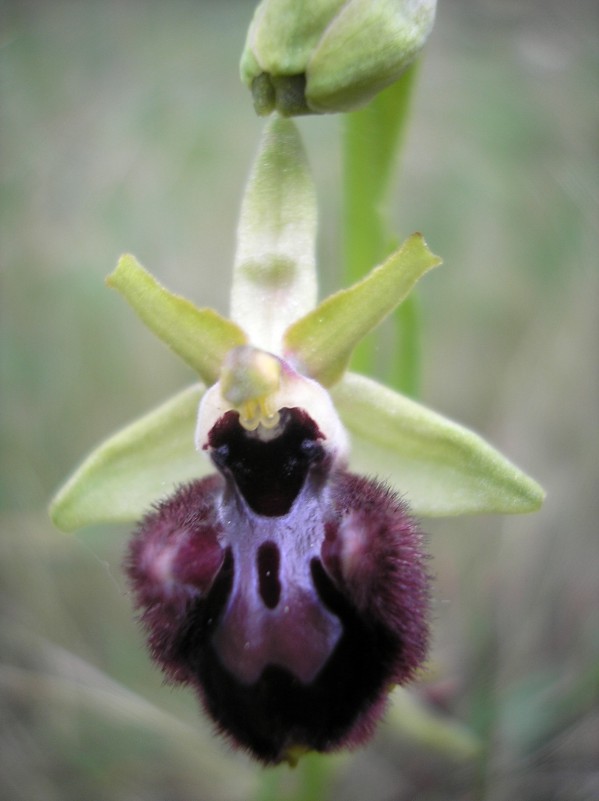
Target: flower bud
{"x": 323, "y": 56}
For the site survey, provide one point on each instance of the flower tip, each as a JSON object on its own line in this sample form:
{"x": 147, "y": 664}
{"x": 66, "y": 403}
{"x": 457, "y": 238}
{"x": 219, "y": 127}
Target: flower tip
{"x": 67, "y": 509}
{"x": 57, "y": 514}
{"x": 520, "y": 493}
{"x": 263, "y": 95}
{"x": 418, "y": 240}
{"x": 70, "y": 510}
{"x": 533, "y": 497}
{"x": 293, "y": 755}
{"x": 285, "y": 94}
{"x": 126, "y": 263}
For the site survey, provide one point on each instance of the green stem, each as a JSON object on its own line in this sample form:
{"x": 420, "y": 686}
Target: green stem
{"x": 404, "y": 372}
{"x": 309, "y": 780}
{"x": 315, "y": 774}
{"x": 371, "y": 142}
{"x": 269, "y": 786}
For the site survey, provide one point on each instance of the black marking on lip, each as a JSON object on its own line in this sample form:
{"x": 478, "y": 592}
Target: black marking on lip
{"x": 269, "y": 583}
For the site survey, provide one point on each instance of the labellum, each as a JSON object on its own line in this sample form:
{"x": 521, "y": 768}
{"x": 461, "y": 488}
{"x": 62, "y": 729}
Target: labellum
{"x": 288, "y": 592}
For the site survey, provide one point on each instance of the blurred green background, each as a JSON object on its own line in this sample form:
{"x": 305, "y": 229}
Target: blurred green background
{"x": 125, "y": 128}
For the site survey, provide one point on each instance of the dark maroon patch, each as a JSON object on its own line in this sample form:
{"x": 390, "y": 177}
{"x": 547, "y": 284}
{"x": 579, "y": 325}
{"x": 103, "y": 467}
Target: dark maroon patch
{"x": 340, "y": 707}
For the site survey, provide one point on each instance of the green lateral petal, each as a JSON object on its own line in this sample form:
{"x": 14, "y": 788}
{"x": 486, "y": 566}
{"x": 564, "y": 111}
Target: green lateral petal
{"x": 274, "y": 280}
{"x": 135, "y": 467}
{"x": 442, "y": 467}
{"x": 201, "y": 337}
{"x": 321, "y": 343}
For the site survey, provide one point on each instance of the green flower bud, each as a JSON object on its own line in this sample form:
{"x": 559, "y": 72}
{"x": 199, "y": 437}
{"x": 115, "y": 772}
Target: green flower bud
{"x": 322, "y": 56}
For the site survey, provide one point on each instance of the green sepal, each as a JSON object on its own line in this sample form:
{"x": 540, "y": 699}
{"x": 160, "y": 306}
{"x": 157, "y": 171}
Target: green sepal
{"x": 320, "y": 344}
{"x": 442, "y": 467}
{"x": 135, "y": 467}
{"x": 274, "y": 277}
{"x": 201, "y": 337}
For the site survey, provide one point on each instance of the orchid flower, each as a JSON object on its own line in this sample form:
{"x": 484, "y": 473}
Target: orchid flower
{"x": 285, "y": 587}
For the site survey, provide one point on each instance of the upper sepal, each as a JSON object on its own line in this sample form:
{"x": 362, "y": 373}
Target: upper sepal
{"x": 274, "y": 276}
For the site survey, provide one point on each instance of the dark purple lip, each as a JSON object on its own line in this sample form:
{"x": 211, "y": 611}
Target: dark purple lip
{"x": 289, "y": 596}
